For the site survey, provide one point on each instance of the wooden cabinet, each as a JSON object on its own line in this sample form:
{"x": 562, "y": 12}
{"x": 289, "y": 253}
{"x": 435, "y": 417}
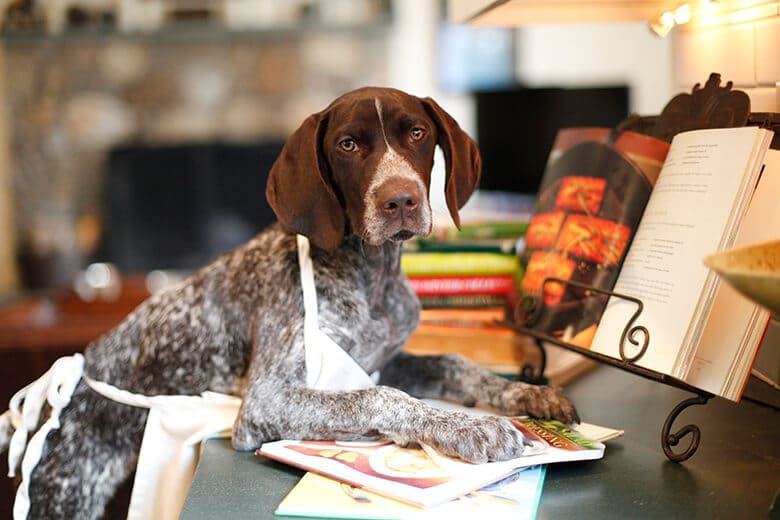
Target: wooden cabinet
{"x": 36, "y": 330}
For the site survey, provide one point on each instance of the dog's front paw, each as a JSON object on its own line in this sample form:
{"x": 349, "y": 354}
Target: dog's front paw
{"x": 475, "y": 439}
{"x": 544, "y": 402}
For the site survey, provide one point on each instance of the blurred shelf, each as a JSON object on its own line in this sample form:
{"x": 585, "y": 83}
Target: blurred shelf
{"x": 63, "y": 322}
{"x": 178, "y": 23}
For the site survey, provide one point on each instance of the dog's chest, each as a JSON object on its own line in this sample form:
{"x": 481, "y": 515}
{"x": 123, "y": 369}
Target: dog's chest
{"x": 368, "y": 308}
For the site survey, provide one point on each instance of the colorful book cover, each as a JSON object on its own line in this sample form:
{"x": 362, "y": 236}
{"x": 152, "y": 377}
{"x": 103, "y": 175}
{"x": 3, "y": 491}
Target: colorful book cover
{"x": 593, "y": 192}
{"x": 470, "y": 301}
{"x": 502, "y": 237}
{"x": 421, "y": 476}
{"x": 431, "y": 264}
{"x": 499, "y": 349}
{"x": 516, "y": 496}
{"x": 432, "y": 245}
{"x": 443, "y": 285}
{"x": 480, "y": 231}
{"x": 463, "y": 317}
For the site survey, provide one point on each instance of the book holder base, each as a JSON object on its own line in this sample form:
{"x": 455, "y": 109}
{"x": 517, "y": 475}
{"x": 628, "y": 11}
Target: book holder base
{"x": 535, "y": 374}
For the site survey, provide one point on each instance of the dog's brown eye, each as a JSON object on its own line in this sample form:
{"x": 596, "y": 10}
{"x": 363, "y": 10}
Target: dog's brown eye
{"x": 417, "y": 133}
{"x": 348, "y": 145}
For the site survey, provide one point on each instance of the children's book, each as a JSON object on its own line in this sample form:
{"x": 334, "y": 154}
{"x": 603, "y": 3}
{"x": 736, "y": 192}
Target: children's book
{"x": 423, "y": 477}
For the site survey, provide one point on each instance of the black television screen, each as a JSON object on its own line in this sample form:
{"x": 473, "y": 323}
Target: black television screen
{"x": 179, "y": 206}
{"x": 516, "y": 128}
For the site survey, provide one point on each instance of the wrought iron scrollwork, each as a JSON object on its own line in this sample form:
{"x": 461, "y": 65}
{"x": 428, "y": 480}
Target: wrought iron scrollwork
{"x": 534, "y": 307}
{"x": 630, "y": 331}
{"x": 670, "y": 440}
{"x": 534, "y": 373}
{"x": 531, "y": 309}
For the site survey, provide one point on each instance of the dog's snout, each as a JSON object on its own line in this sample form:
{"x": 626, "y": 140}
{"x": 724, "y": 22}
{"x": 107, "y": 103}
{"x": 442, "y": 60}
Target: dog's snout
{"x": 396, "y": 201}
{"x": 403, "y": 202}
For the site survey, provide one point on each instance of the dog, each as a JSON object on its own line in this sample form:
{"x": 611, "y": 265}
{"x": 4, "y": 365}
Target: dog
{"x": 354, "y": 179}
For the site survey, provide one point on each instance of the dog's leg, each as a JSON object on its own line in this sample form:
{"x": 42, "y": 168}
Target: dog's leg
{"x": 272, "y": 412}
{"x": 452, "y": 376}
{"x": 87, "y": 458}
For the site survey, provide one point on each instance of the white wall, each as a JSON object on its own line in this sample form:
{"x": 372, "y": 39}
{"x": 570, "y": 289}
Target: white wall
{"x": 412, "y": 58}
{"x": 599, "y": 55}
{"x": 747, "y": 54}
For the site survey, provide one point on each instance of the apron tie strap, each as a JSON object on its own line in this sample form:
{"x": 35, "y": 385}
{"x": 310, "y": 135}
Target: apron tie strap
{"x": 56, "y": 387}
{"x": 328, "y": 367}
{"x": 169, "y": 452}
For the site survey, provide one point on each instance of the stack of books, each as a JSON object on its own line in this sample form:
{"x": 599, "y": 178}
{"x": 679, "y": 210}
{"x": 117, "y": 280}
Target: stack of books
{"x": 380, "y": 480}
{"x": 467, "y": 280}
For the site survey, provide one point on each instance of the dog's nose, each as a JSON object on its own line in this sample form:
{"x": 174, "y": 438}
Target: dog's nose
{"x": 401, "y": 203}
{"x": 395, "y": 201}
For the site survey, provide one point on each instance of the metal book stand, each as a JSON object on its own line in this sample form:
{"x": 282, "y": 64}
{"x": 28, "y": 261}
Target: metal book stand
{"x": 711, "y": 106}
{"x": 638, "y": 336}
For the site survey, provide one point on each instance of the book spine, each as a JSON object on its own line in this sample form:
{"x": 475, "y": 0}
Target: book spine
{"x": 470, "y": 301}
{"x": 463, "y": 317}
{"x": 484, "y": 314}
{"x": 507, "y": 246}
{"x": 449, "y": 285}
{"x": 430, "y": 264}
{"x": 485, "y": 230}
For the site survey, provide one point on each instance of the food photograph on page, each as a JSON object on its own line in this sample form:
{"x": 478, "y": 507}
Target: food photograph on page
{"x": 593, "y": 191}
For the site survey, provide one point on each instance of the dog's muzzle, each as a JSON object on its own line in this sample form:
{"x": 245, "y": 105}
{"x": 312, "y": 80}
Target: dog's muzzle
{"x": 401, "y": 205}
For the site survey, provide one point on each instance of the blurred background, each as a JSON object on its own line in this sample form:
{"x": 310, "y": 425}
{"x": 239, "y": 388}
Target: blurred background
{"x": 140, "y": 132}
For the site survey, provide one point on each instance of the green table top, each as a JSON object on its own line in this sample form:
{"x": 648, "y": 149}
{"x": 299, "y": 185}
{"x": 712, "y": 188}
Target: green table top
{"x": 734, "y": 474}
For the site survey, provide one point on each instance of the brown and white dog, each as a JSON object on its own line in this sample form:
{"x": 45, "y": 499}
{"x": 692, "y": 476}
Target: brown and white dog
{"x": 355, "y": 180}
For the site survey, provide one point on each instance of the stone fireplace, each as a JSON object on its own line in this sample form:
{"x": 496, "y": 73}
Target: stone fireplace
{"x": 78, "y": 104}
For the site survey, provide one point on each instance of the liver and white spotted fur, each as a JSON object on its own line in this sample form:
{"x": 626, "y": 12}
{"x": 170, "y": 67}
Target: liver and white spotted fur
{"x": 354, "y": 178}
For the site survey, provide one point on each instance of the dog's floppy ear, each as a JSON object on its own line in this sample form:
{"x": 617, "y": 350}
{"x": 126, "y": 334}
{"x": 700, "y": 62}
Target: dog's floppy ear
{"x": 298, "y": 188}
{"x": 462, "y": 160}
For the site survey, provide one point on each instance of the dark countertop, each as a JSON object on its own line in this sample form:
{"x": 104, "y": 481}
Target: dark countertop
{"x": 734, "y": 474}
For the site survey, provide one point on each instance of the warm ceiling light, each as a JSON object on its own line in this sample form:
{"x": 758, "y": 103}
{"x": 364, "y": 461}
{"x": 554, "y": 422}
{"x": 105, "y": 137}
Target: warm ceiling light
{"x": 663, "y": 24}
{"x": 682, "y": 14}
{"x": 667, "y": 19}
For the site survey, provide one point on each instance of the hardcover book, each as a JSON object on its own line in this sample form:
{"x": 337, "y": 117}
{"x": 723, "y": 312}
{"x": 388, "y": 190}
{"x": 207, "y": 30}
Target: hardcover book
{"x": 459, "y": 263}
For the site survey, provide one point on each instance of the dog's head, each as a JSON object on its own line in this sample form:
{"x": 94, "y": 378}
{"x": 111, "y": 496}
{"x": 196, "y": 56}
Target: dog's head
{"x": 364, "y": 165}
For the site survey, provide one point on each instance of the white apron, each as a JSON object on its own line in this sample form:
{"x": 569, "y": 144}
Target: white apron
{"x": 176, "y": 424}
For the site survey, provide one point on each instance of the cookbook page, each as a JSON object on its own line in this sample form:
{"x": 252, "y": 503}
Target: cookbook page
{"x": 691, "y": 210}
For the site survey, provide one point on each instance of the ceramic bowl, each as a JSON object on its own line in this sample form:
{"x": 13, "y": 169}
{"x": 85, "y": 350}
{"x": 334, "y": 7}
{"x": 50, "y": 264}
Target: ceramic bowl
{"x": 753, "y": 270}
